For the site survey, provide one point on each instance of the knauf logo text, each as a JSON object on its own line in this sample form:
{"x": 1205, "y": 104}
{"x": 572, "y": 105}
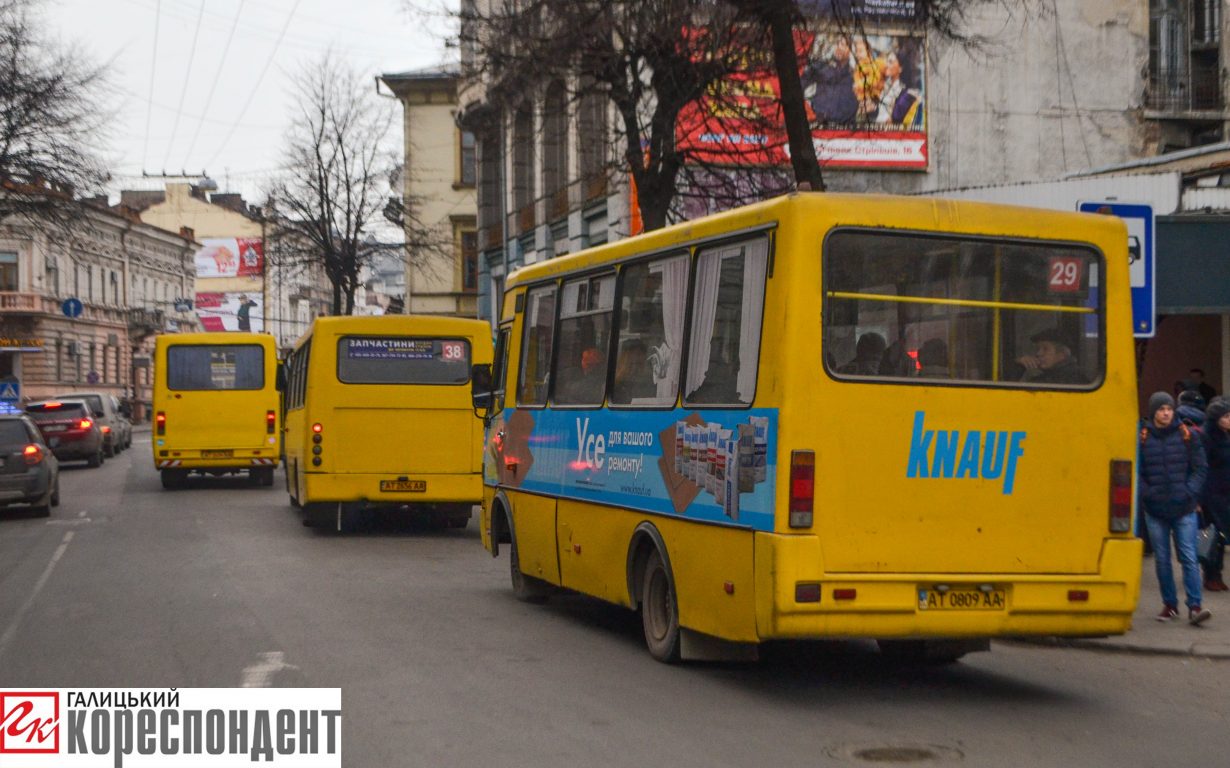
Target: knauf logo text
{"x": 961, "y": 455}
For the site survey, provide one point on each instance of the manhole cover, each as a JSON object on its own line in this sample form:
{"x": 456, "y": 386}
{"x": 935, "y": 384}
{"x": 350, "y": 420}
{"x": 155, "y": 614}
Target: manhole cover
{"x": 897, "y": 754}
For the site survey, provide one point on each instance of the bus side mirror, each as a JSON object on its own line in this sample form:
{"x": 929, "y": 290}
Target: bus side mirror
{"x": 480, "y": 389}
{"x": 280, "y": 377}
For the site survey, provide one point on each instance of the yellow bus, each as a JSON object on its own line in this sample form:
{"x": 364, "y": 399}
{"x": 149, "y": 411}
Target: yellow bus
{"x": 215, "y": 406}
{"x": 825, "y": 416}
{"x": 378, "y": 412}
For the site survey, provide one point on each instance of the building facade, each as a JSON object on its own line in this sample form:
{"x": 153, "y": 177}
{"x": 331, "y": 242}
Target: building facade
{"x": 1049, "y": 94}
{"x": 439, "y": 205}
{"x": 242, "y": 283}
{"x": 81, "y": 303}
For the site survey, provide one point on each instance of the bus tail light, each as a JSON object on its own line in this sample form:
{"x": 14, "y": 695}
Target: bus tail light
{"x": 1120, "y": 496}
{"x": 271, "y": 420}
{"x": 32, "y": 453}
{"x": 160, "y": 423}
{"x": 317, "y": 428}
{"x": 802, "y": 488}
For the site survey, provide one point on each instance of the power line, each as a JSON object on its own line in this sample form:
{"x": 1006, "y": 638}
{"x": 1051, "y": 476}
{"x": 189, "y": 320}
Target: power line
{"x": 153, "y": 69}
{"x": 217, "y": 76}
{"x": 256, "y": 86}
{"x": 183, "y": 92}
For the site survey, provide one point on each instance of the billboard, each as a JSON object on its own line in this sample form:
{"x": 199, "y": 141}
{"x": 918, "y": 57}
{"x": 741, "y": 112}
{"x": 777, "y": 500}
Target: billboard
{"x": 231, "y": 257}
{"x": 231, "y": 311}
{"x": 883, "y": 11}
{"x": 866, "y": 103}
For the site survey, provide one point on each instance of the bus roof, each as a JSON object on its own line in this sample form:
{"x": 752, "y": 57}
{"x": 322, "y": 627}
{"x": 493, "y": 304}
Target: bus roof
{"x": 890, "y": 211}
{"x": 428, "y": 325}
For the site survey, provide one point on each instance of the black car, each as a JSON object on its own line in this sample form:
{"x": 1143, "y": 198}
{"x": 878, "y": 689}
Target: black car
{"x": 70, "y": 428}
{"x": 29, "y": 472}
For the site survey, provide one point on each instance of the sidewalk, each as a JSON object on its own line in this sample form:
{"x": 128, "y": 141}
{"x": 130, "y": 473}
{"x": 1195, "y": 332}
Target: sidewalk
{"x": 1209, "y": 640}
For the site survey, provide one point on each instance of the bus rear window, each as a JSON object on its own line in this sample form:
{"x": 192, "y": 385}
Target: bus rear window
{"x": 402, "y": 360}
{"x": 209, "y": 367}
{"x": 965, "y": 310}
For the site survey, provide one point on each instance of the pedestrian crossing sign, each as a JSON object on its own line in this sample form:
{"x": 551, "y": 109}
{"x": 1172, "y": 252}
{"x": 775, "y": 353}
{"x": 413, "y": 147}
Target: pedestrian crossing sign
{"x": 10, "y": 391}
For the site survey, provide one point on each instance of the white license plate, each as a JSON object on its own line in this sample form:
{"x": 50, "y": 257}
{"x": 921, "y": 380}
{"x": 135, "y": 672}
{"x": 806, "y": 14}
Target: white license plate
{"x": 961, "y": 600}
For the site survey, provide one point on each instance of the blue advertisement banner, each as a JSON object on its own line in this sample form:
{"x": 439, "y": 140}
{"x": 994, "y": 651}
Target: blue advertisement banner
{"x": 716, "y": 466}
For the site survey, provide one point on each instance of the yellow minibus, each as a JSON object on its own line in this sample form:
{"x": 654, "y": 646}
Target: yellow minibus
{"x": 215, "y": 406}
{"x": 378, "y": 413}
{"x": 825, "y": 416}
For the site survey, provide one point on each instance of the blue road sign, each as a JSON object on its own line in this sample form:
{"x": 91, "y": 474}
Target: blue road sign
{"x": 72, "y": 307}
{"x": 10, "y": 390}
{"x": 1142, "y": 262}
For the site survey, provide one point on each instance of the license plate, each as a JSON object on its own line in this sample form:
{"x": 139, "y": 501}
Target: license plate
{"x": 217, "y": 454}
{"x": 403, "y": 486}
{"x": 55, "y": 428}
{"x": 960, "y": 600}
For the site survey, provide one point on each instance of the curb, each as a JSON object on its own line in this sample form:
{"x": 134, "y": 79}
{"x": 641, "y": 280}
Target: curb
{"x": 1216, "y": 651}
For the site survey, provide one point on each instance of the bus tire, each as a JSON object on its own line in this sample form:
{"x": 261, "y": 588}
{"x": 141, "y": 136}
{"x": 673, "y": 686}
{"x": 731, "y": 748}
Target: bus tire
{"x": 322, "y": 515}
{"x": 267, "y": 477}
{"x": 659, "y": 610}
{"x": 173, "y": 478}
{"x": 527, "y": 589}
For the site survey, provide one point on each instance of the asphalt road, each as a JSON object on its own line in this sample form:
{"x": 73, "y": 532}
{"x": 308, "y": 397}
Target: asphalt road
{"x": 128, "y": 585}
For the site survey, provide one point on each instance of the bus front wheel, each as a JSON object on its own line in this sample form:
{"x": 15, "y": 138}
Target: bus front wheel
{"x": 659, "y": 610}
{"x": 527, "y": 589}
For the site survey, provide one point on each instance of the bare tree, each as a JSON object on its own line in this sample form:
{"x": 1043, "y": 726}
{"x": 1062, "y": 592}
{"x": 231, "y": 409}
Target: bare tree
{"x": 51, "y": 123}
{"x": 650, "y": 59}
{"x": 326, "y": 206}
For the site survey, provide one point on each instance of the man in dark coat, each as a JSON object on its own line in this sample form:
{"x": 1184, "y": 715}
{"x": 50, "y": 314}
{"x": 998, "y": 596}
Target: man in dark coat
{"x": 1217, "y": 488}
{"x": 834, "y": 102}
{"x": 1053, "y": 360}
{"x": 1171, "y": 481}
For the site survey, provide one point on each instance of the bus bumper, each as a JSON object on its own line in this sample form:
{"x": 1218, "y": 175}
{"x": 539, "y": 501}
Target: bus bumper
{"x": 439, "y": 489}
{"x": 239, "y": 461}
{"x": 890, "y": 605}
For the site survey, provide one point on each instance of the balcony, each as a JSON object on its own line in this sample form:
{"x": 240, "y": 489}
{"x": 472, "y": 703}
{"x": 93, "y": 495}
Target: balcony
{"x": 20, "y": 303}
{"x": 145, "y": 322}
{"x": 1193, "y": 95}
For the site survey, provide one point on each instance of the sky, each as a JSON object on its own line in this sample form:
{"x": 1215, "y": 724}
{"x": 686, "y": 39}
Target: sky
{"x": 188, "y": 95}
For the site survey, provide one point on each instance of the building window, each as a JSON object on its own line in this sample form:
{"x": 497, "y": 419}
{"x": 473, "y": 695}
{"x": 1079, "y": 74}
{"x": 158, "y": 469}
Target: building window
{"x": 592, "y": 131}
{"x": 8, "y": 272}
{"x": 523, "y": 157}
{"x": 468, "y": 161}
{"x": 469, "y": 259}
{"x": 489, "y": 181}
{"x": 555, "y": 140}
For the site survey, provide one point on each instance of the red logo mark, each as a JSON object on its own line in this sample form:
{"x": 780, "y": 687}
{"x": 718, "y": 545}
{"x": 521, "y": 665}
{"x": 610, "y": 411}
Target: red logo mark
{"x": 29, "y": 722}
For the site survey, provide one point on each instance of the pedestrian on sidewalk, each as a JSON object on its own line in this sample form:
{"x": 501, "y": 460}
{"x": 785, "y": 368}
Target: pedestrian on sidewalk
{"x": 1171, "y": 481}
{"x": 1217, "y": 488}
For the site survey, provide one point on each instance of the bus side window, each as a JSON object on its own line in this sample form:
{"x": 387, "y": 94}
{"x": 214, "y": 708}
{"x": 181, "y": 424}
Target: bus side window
{"x": 499, "y": 368}
{"x": 727, "y": 308}
{"x": 585, "y": 340}
{"x": 650, "y": 332}
{"x": 536, "y": 346}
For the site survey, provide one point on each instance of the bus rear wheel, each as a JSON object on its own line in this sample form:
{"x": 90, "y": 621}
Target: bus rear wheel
{"x": 929, "y": 652}
{"x": 659, "y": 610}
{"x": 527, "y": 589}
{"x": 261, "y": 476}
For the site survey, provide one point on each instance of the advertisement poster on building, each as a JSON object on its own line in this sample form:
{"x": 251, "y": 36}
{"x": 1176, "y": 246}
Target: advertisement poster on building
{"x": 866, "y": 102}
{"x": 231, "y": 257}
{"x": 231, "y": 311}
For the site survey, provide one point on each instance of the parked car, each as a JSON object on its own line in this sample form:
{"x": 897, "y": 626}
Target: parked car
{"x": 116, "y": 429}
{"x": 70, "y": 428}
{"x": 29, "y": 471}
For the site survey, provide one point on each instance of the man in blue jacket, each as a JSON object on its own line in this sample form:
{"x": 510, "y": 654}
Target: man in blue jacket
{"x": 1172, "y": 475}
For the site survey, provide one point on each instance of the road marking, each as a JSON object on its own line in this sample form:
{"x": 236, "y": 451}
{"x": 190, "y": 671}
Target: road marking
{"x": 11, "y": 631}
{"x": 260, "y": 674}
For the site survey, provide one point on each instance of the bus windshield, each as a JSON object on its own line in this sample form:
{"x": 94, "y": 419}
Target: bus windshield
{"x": 402, "y": 360}
{"x": 207, "y": 367}
{"x": 964, "y": 310}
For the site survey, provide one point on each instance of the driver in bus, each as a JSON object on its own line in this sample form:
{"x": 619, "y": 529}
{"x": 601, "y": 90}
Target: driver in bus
{"x": 1052, "y": 362}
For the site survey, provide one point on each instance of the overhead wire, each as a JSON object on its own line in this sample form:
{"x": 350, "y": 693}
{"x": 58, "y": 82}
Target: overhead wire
{"x": 214, "y": 86}
{"x": 183, "y": 91}
{"x": 256, "y": 86}
{"x": 153, "y": 70}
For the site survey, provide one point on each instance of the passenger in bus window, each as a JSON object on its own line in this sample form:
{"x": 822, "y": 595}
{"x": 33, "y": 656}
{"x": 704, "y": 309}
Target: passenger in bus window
{"x": 633, "y": 376}
{"x": 933, "y": 359}
{"x": 868, "y": 354}
{"x": 1052, "y": 361}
